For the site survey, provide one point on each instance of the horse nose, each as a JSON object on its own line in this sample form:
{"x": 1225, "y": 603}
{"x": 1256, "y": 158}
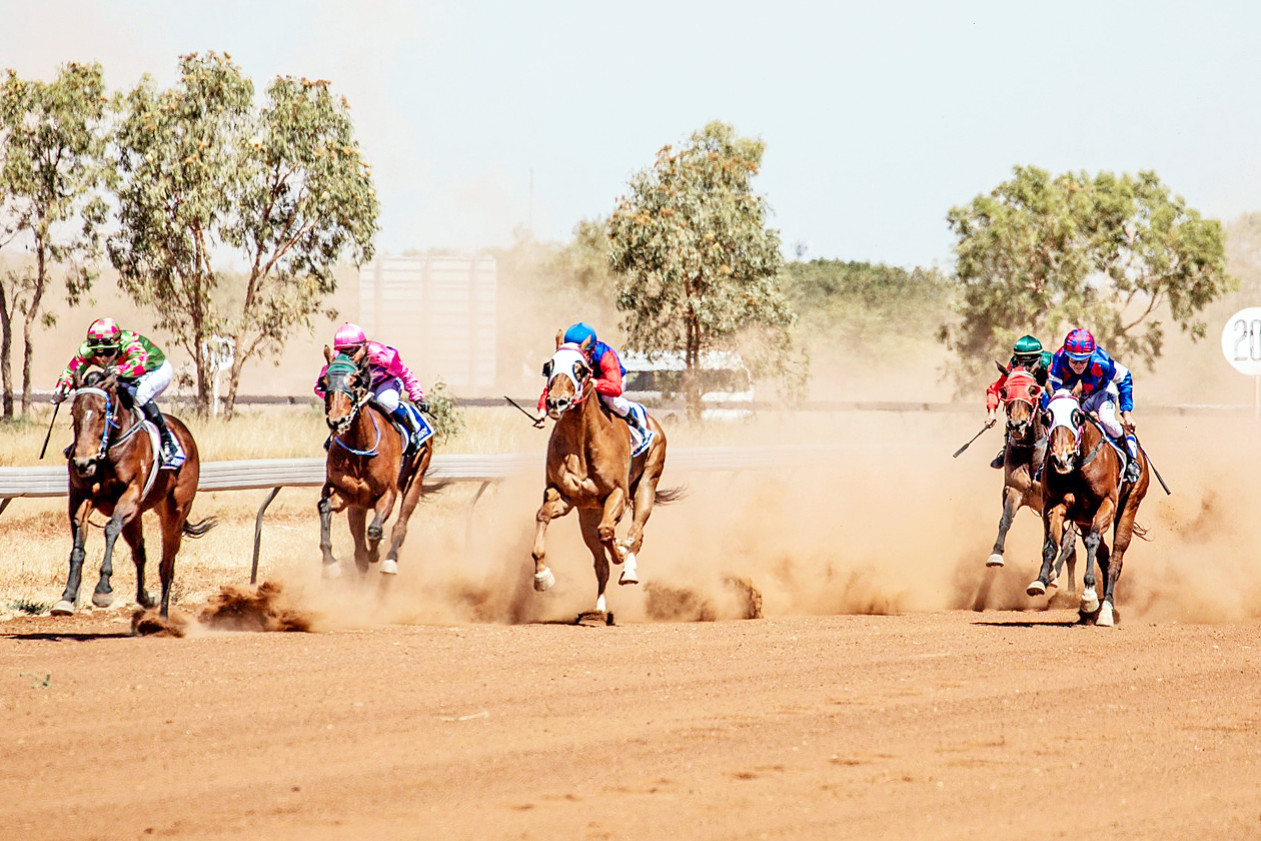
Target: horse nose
{"x": 84, "y": 466}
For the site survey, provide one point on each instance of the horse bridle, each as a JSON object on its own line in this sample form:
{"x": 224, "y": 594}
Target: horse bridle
{"x": 580, "y": 374}
{"x": 111, "y": 421}
{"x": 348, "y": 371}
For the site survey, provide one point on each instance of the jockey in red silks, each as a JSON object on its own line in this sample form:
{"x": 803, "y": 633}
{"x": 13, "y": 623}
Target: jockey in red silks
{"x": 608, "y": 371}
{"x": 143, "y": 372}
{"x": 390, "y": 377}
{"x": 1026, "y": 353}
{"x": 1104, "y": 385}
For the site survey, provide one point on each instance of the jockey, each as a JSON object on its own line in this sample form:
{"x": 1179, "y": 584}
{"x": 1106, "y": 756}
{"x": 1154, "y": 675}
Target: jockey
{"x": 143, "y": 371}
{"x": 1026, "y": 353}
{"x": 608, "y": 370}
{"x": 389, "y": 378}
{"x": 1104, "y": 383}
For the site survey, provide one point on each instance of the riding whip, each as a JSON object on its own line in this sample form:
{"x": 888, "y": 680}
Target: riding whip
{"x": 1150, "y": 463}
{"x": 984, "y": 429}
{"x": 43, "y": 449}
{"x": 537, "y": 421}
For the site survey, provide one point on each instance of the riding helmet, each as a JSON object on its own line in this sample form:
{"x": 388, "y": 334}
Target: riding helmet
{"x": 348, "y": 336}
{"x": 579, "y": 333}
{"x": 104, "y": 335}
{"x": 1079, "y": 345}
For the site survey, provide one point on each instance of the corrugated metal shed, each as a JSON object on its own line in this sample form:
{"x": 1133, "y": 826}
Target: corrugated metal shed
{"x": 439, "y": 312}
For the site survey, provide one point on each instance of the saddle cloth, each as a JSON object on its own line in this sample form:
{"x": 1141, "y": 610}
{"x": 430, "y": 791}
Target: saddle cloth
{"x": 426, "y": 428}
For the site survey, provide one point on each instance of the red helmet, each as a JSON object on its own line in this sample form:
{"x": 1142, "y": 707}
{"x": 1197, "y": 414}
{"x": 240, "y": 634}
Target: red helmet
{"x": 349, "y": 335}
{"x": 1078, "y": 345}
{"x": 104, "y": 335}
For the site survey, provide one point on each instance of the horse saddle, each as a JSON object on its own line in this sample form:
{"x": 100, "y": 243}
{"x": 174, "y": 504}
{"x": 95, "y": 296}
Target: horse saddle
{"x": 413, "y": 440}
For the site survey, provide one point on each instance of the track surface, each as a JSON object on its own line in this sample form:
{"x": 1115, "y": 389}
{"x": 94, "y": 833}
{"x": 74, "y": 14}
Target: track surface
{"x": 937, "y": 725}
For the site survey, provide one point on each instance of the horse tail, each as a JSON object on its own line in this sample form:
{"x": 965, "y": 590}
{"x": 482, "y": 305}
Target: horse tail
{"x": 1138, "y": 531}
{"x": 668, "y": 495}
{"x": 434, "y": 487}
{"x": 200, "y": 527}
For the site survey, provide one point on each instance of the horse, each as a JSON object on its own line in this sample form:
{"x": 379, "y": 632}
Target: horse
{"x": 365, "y": 469}
{"x": 114, "y": 468}
{"x": 1081, "y": 477}
{"x": 589, "y": 467}
{"x": 1024, "y": 437}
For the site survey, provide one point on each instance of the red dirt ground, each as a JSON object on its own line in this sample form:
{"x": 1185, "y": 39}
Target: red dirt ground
{"x": 942, "y": 725}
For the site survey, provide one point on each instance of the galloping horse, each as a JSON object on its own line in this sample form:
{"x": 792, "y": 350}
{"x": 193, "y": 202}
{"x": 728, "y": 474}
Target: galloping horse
{"x": 365, "y": 467}
{"x": 1081, "y": 480}
{"x": 589, "y": 467}
{"x": 1020, "y": 394}
{"x": 114, "y": 468}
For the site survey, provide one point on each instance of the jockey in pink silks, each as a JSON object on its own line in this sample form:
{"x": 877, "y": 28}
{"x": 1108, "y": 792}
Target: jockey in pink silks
{"x": 390, "y": 377}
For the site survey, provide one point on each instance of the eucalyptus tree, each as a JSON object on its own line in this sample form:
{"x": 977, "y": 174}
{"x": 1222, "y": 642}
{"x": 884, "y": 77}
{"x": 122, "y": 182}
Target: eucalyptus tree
{"x": 233, "y": 217}
{"x": 52, "y": 136}
{"x": 697, "y": 266}
{"x": 1115, "y": 254}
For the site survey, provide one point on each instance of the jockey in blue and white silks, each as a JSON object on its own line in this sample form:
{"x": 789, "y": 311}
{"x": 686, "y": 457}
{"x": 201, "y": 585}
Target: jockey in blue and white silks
{"x": 1104, "y": 384}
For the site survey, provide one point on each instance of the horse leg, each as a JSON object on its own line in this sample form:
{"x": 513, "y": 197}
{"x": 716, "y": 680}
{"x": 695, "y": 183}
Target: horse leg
{"x": 376, "y": 530}
{"x": 79, "y": 511}
{"x": 411, "y": 496}
{"x": 103, "y": 596}
{"x": 554, "y": 505}
{"x": 1095, "y": 548}
{"x": 356, "y": 517}
{"x": 325, "y": 506}
{"x": 645, "y": 495}
{"x": 1011, "y": 499}
{"x": 611, "y": 515}
{"x": 1052, "y": 524}
{"x": 591, "y": 519}
{"x": 172, "y": 536}
{"x": 133, "y": 533}
{"x": 1068, "y": 552}
{"x": 1121, "y": 537}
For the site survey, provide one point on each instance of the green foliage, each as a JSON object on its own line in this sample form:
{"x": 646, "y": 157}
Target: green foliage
{"x": 446, "y": 415}
{"x": 1113, "y": 254}
{"x": 207, "y": 178}
{"x": 697, "y": 267}
{"x": 872, "y": 311}
{"x": 52, "y": 139}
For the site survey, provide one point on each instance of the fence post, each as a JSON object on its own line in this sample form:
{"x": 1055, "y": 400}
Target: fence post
{"x": 258, "y": 532}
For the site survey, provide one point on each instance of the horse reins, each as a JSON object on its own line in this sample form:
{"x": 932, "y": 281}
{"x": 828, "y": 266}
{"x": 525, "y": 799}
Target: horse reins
{"x": 358, "y": 403}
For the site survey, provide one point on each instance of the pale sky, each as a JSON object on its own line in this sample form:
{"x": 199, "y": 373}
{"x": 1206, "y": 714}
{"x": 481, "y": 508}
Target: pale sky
{"x": 878, "y": 117}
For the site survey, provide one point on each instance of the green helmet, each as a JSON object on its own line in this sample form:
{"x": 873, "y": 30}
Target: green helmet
{"x": 1026, "y": 346}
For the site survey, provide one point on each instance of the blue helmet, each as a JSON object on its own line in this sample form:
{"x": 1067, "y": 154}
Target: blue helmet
{"x": 579, "y": 333}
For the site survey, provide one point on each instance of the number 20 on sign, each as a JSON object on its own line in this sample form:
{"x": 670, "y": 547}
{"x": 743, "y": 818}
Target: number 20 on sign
{"x": 1241, "y": 345}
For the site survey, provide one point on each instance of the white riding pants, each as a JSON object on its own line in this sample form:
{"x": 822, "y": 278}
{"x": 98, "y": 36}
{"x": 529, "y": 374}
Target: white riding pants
{"x": 388, "y": 394}
{"x": 619, "y": 404}
{"x": 1104, "y": 405}
{"x": 150, "y": 385}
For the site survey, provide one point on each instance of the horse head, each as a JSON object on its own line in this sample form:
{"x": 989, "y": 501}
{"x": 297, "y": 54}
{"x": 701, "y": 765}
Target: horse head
{"x": 347, "y": 386}
{"x": 568, "y": 377}
{"x": 1020, "y": 394}
{"x": 1063, "y": 418}
{"x": 94, "y": 406}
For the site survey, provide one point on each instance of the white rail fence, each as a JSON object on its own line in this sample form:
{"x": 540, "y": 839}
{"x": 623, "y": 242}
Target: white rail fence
{"x": 277, "y": 473}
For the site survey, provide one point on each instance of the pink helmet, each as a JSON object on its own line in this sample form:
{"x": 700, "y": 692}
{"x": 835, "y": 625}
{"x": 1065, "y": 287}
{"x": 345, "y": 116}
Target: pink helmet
{"x": 348, "y": 335}
{"x": 1079, "y": 345}
{"x": 104, "y": 334}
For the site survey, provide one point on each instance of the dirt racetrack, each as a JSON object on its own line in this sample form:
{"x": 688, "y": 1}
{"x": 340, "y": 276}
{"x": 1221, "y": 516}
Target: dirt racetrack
{"x": 946, "y": 725}
{"x": 894, "y": 688}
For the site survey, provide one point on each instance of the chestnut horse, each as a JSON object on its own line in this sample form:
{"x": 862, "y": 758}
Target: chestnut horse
{"x": 1082, "y": 484}
{"x": 589, "y": 467}
{"x": 1023, "y": 455}
{"x": 113, "y": 466}
{"x": 365, "y": 469}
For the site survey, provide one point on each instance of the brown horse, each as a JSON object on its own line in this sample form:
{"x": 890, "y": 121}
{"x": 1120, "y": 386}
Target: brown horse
{"x": 113, "y": 466}
{"x": 1023, "y": 453}
{"x": 1082, "y": 480}
{"x": 365, "y": 469}
{"x": 589, "y": 467}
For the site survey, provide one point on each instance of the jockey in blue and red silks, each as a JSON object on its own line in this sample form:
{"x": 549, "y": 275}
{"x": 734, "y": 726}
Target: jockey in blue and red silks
{"x": 1104, "y": 383}
{"x": 607, "y": 368}
{"x": 390, "y": 377}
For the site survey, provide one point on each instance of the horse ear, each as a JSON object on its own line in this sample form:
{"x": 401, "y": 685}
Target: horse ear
{"x": 560, "y": 338}
{"x": 586, "y": 343}
{"x": 1001, "y": 369}
{"x": 547, "y": 369}
{"x": 328, "y": 354}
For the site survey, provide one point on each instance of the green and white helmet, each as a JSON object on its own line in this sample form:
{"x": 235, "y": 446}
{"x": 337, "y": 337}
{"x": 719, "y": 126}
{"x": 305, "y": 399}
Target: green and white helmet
{"x": 1026, "y": 346}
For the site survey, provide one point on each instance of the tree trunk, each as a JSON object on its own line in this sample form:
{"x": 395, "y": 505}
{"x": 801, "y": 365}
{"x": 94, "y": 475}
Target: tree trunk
{"x": 234, "y": 379}
{"x": 692, "y": 369}
{"x": 6, "y": 349}
{"x": 32, "y": 312}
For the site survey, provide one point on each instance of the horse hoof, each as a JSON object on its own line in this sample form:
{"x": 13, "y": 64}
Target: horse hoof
{"x": 1105, "y": 616}
{"x": 102, "y": 599}
{"x": 995, "y": 560}
{"x": 389, "y": 567}
{"x": 375, "y": 533}
{"x": 333, "y": 570}
{"x": 63, "y": 608}
{"x": 1089, "y": 601}
{"x": 1036, "y": 588}
{"x": 630, "y": 574}
{"x": 544, "y": 580}
{"x": 1054, "y": 583}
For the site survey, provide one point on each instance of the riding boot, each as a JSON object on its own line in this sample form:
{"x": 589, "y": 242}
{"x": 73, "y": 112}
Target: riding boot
{"x": 404, "y": 418}
{"x": 1132, "y": 469}
{"x": 1000, "y": 458}
{"x": 171, "y": 456}
{"x": 637, "y": 418}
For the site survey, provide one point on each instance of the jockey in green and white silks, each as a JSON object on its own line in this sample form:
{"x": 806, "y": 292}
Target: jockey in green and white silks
{"x": 143, "y": 371}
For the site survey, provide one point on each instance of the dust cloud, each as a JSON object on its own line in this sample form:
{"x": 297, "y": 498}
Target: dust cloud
{"x": 879, "y": 519}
